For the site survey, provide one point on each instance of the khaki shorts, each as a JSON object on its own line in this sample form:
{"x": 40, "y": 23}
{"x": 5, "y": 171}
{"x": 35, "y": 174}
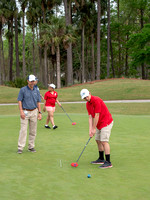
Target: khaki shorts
{"x": 104, "y": 134}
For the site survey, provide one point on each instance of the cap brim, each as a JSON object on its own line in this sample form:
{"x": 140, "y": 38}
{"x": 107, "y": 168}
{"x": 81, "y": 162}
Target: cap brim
{"x": 83, "y": 97}
{"x": 32, "y": 80}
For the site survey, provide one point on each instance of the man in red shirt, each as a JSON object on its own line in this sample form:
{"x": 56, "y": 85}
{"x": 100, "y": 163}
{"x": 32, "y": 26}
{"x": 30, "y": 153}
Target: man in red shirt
{"x": 100, "y": 123}
{"x": 50, "y": 98}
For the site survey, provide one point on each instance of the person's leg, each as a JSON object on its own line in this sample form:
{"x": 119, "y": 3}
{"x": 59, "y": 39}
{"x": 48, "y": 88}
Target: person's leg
{"x": 48, "y": 118}
{"x": 104, "y": 138}
{"x": 51, "y": 117}
{"x": 32, "y": 128}
{"x": 23, "y": 134}
{"x": 100, "y": 160}
{"x": 51, "y": 114}
{"x": 100, "y": 149}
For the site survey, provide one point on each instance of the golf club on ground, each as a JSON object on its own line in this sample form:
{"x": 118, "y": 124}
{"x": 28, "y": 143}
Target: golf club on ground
{"x": 76, "y": 163}
{"x": 73, "y": 123}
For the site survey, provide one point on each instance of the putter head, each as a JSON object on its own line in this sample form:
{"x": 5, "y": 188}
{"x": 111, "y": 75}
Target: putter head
{"x": 74, "y": 164}
{"x": 73, "y": 123}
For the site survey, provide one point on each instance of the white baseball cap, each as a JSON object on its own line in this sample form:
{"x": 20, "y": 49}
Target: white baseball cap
{"x": 84, "y": 93}
{"x": 31, "y": 77}
{"x": 52, "y": 85}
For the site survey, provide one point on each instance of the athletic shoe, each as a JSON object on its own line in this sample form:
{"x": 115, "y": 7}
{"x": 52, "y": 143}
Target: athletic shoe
{"x": 19, "y": 151}
{"x": 54, "y": 127}
{"x": 106, "y": 165}
{"x": 98, "y": 161}
{"x": 32, "y": 150}
{"x": 47, "y": 127}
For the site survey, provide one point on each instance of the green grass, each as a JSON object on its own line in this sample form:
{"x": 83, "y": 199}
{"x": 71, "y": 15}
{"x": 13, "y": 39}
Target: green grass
{"x": 113, "y": 89}
{"x": 115, "y": 108}
{"x": 40, "y": 175}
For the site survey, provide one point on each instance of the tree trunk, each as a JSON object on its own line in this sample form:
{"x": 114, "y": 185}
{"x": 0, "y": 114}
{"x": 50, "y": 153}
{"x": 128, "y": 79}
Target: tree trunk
{"x": 3, "y": 63}
{"x": 112, "y": 57}
{"x": 10, "y": 39}
{"x": 126, "y": 62}
{"x": 142, "y": 25}
{"x": 108, "y": 38}
{"x": 45, "y": 66}
{"x": 40, "y": 58}
{"x": 1, "y": 54}
{"x": 33, "y": 50}
{"x": 24, "y": 61}
{"x": 67, "y": 5}
{"x": 119, "y": 46}
{"x": 45, "y": 75}
{"x": 82, "y": 54}
{"x": 93, "y": 65}
{"x": 98, "y": 39}
{"x": 58, "y": 67}
{"x": 17, "y": 47}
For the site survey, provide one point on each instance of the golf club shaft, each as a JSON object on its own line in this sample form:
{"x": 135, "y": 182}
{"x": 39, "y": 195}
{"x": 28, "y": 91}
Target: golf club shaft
{"x": 66, "y": 114}
{"x": 83, "y": 149}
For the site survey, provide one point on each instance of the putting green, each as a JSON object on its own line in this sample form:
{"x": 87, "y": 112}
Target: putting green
{"x": 47, "y": 174}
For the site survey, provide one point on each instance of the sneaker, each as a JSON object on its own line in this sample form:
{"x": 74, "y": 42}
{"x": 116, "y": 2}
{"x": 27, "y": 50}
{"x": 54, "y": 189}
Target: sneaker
{"x": 98, "y": 161}
{"x": 54, "y": 127}
{"x": 19, "y": 151}
{"x": 46, "y": 126}
{"x": 32, "y": 150}
{"x": 106, "y": 165}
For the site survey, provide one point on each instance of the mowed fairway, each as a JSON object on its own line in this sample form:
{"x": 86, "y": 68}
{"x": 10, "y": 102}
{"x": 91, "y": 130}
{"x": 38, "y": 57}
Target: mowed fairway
{"x": 48, "y": 175}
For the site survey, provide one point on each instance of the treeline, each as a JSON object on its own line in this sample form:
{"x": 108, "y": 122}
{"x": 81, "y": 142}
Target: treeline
{"x": 74, "y": 41}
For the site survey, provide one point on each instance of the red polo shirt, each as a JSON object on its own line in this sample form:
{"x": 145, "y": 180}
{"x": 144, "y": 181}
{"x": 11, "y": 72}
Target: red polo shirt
{"x": 50, "y": 98}
{"x": 96, "y": 105}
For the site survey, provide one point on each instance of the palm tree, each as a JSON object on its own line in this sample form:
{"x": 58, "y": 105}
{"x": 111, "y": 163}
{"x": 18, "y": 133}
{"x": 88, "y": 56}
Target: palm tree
{"x": 23, "y": 7}
{"x": 10, "y": 6}
{"x": 32, "y": 17}
{"x": 2, "y": 21}
{"x": 55, "y": 34}
{"x": 108, "y": 38}
{"x": 98, "y": 39}
{"x": 16, "y": 42}
{"x": 67, "y": 5}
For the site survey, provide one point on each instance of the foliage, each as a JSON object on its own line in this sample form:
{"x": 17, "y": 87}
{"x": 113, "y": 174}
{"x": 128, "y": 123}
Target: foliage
{"x": 127, "y": 19}
{"x": 17, "y": 83}
{"x": 139, "y": 45}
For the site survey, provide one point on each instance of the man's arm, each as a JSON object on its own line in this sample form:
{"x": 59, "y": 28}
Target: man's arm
{"x": 22, "y": 115}
{"x": 90, "y": 125}
{"x": 94, "y": 124}
{"x": 39, "y": 110}
{"x": 95, "y": 120}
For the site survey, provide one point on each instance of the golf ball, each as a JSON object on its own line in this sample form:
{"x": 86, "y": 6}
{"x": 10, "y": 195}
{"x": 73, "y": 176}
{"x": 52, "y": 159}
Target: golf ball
{"x": 89, "y": 176}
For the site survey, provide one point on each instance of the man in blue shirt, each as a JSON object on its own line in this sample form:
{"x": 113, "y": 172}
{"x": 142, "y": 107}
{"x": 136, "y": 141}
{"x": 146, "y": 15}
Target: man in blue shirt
{"x": 29, "y": 103}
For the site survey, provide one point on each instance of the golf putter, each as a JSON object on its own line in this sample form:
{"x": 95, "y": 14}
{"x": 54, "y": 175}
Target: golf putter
{"x": 76, "y": 163}
{"x": 73, "y": 123}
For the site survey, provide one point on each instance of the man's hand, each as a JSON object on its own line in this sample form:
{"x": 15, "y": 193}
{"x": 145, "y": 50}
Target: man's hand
{"x": 92, "y": 132}
{"x": 39, "y": 116}
{"x": 22, "y": 115}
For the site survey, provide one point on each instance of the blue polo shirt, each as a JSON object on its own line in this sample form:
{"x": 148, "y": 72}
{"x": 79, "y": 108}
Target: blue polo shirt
{"x": 29, "y": 98}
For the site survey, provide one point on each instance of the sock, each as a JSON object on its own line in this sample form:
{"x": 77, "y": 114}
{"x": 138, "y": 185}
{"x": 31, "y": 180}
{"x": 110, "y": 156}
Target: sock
{"x": 53, "y": 126}
{"x": 46, "y": 125}
{"x": 101, "y": 155}
{"x": 108, "y": 158}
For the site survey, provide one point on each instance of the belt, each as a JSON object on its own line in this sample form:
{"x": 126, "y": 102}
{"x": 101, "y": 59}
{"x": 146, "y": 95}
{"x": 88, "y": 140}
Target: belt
{"x": 29, "y": 109}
